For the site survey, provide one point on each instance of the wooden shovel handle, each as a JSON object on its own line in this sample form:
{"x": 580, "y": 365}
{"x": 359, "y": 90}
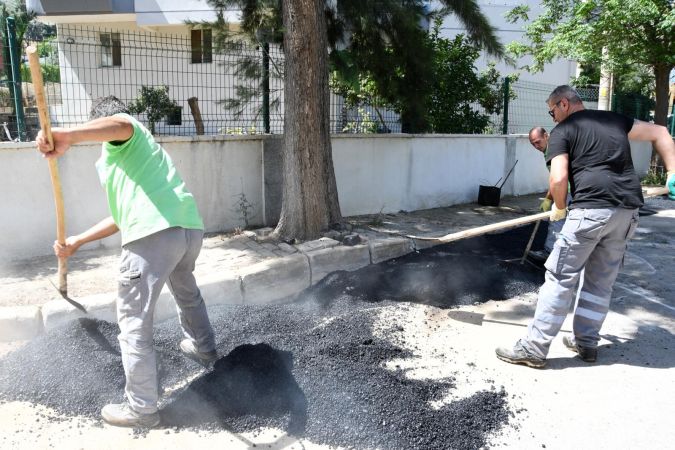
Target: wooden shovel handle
{"x": 45, "y": 125}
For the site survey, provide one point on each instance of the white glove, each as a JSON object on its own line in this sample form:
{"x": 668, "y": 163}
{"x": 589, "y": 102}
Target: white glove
{"x": 557, "y": 214}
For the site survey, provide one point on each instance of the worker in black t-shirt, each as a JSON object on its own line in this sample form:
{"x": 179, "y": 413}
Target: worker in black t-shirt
{"x": 590, "y": 149}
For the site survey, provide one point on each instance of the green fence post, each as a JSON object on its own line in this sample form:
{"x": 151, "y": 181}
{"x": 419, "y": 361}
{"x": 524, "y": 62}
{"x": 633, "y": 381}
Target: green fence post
{"x": 15, "y": 61}
{"x": 505, "y": 126}
{"x": 266, "y": 86}
{"x": 672, "y": 121}
{"x": 638, "y": 109}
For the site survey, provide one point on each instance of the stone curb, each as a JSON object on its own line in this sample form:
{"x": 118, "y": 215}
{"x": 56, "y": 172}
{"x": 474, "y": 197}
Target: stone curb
{"x": 265, "y": 282}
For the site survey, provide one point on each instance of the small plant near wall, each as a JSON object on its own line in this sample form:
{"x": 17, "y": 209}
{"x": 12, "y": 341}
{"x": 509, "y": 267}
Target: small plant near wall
{"x": 243, "y": 207}
{"x": 155, "y": 103}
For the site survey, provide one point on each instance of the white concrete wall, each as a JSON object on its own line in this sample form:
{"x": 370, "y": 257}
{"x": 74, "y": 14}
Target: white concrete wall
{"x": 374, "y": 173}
{"x": 216, "y": 171}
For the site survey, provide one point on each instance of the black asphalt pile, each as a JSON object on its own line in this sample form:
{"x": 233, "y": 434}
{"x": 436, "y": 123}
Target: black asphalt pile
{"x": 321, "y": 376}
{"x": 313, "y": 367}
{"x": 462, "y": 273}
{"x": 77, "y": 368}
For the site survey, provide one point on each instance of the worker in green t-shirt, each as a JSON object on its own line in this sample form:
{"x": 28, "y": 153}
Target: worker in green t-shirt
{"x": 162, "y": 235}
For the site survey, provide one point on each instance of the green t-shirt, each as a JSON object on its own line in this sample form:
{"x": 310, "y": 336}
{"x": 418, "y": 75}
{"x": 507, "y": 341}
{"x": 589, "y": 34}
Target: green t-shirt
{"x": 145, "y": 193}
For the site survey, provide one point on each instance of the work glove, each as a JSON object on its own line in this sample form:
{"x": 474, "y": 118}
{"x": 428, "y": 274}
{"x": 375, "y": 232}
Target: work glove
{"x": 546, "y": 205}
{"x": 557, "y": 214}
{"x": 670, "y": 184}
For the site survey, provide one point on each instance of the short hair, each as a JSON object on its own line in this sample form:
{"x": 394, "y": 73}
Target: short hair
{"x": 539, "y": 131}
{"x": 564, "y": 91}
{"x": 107, "y": 106}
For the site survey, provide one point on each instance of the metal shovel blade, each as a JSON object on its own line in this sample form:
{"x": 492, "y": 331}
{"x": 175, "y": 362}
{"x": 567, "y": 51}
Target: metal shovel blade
{"x": 68, "y": 299}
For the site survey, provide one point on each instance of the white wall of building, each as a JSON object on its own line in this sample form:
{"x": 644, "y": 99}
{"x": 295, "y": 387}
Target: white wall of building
{"x": 374, "y": 173}
{"x": 558, "y": 72}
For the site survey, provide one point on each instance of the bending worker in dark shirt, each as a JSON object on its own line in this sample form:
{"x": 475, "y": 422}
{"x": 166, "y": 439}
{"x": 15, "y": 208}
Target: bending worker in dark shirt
{"x": 590, "y": 149}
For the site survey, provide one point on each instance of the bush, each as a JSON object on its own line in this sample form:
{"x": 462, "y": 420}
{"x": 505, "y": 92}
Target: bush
{"x": 155, "y": 103}
{"x": 50, "y": 73}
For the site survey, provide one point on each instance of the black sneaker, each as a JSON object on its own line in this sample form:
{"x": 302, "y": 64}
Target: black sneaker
{"x": 587, "y": 354}
{"x": 519, "y": 355}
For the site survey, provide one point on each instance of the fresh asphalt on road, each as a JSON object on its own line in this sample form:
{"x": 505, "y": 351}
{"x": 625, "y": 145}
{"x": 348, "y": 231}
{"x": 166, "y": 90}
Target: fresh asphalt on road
{"x": 395, "y": 355}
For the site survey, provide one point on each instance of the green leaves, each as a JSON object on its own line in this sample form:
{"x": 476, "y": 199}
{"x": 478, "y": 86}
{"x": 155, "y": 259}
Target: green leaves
{"x": 155, "y": 103}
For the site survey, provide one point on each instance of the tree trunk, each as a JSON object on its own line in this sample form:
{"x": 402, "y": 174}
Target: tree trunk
{"x": 604, "y": 94}
{"x": 661, "y": 74}
{"x": 310, "y": 200}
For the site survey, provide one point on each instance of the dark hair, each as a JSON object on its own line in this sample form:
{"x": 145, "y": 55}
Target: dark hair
{"x": 540, "y": 131}
{"x": 107, "y": 106}
{"x": 564, "y": 91}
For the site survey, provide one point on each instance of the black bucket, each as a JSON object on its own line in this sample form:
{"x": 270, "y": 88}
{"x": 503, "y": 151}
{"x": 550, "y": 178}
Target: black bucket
{"x": 489, "y": 195}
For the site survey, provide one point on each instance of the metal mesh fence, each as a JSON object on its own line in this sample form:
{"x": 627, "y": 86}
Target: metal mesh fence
{"x": 225, "y": 85}
{"x": 214, "y": 91}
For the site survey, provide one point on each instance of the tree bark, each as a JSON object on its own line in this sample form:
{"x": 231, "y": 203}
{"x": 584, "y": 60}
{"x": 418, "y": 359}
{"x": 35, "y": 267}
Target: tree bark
{"x": 310, "y": 201}
{"x": 661, "y": 74}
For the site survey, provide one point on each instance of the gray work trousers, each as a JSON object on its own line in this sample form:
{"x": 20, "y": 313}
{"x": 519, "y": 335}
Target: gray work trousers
{"x": 594, "y": 241}
{"x": 167, "y": 256}
{"x": 554, "y": 230}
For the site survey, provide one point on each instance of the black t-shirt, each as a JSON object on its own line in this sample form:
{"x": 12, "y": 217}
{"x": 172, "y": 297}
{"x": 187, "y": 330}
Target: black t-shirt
{"x": 601, "y": 171}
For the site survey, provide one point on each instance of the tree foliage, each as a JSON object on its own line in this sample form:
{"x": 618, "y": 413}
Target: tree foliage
{"x": 384, "y": 42}
{"x": 155, "y": 103}
{"x": 631, "y": 33}
{"x": 457, "y": 88}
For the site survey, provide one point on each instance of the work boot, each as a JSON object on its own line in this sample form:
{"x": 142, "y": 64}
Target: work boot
{"x": 189, "y": 349}
{"x": 520, "y": 355}
{"x": 587, "y": 354}
{"x": 121, "y": 415}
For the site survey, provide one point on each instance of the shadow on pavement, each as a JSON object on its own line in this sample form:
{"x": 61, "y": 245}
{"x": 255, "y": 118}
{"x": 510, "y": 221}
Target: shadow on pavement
{"x": 254, "y": 380}
{"x": 650, "y": 347}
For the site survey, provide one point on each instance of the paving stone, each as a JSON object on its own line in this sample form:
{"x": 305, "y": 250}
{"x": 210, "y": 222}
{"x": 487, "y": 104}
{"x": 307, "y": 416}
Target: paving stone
{"x": 20, "y": 322}
{"x": 275, "y": 279}
{"x": 263, "y": 253}
{"x": 385, "y": 249}
{"x": 317, "y": 244}
{"x": 253, "y": 245}
{"x": 263, "y": 232}
{"x": 286, "y": 248}
{"x": 325, "y": 261}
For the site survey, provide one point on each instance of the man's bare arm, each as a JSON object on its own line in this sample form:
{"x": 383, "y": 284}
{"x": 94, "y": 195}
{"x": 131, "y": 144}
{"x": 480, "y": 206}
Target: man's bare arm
{"x": 558, "y": 180}
{"x": 659, "y": 137}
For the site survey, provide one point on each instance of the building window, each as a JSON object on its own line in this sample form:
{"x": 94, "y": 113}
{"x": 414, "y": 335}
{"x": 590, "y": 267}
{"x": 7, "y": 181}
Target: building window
{"x": 201, "y": 46}
{"x": 111, "y": 50}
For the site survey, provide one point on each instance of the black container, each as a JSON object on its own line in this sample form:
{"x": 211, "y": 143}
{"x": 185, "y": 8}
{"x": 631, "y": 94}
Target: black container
{"x": 489, "y": 195}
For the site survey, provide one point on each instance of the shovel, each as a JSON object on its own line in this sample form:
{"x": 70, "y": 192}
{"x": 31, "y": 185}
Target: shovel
{"x": 45, "y": 125}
